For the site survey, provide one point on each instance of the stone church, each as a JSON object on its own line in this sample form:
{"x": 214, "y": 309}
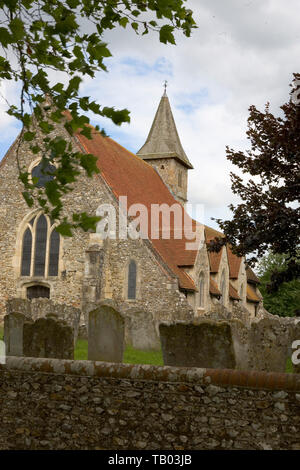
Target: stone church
{"x": 151, "y": 279}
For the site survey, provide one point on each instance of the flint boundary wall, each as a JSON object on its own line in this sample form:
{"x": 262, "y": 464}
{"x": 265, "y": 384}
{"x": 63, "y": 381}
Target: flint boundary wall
{"x": 64, "y": 404}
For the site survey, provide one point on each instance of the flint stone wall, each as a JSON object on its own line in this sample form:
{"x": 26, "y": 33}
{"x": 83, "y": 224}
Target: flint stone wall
{"x": 56, "y": 404}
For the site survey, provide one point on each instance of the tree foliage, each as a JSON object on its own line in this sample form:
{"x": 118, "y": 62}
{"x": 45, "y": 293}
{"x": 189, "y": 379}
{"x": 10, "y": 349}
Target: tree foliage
{"x": 268, "y": 217}
{"x": 286, "y": 301}
{"x": 38, "y": 36}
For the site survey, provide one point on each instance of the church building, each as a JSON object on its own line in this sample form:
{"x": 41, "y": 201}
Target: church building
{"x": 152, "y": 279}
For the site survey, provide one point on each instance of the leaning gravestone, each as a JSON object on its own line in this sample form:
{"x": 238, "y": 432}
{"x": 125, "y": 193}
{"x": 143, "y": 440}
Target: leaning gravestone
{"x": 207, "y": 344}
{"x": 48, "y": 337}
{"x": 106, "y": 335}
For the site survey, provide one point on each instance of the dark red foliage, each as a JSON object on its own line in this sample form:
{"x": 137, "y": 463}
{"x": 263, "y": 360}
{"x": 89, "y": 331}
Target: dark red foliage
{"x": 268, "y": 217}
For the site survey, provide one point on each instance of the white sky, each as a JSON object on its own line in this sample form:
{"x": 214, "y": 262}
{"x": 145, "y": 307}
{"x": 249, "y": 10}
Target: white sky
{"x": 244, "y": 52}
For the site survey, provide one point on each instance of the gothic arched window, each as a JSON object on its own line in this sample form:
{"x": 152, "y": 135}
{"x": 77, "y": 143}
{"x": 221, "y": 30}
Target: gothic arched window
{"x": 132, "y": 280}
{"x": 37, "y": 291}
{"x": 223, "y": 287}
{"x": 40, "y": 248}
{"x": 44, "y": 172}
{"x": 201, "y": 290}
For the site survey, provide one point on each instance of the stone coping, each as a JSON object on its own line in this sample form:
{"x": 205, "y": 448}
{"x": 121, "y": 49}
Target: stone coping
{"x": 221, "y": 377}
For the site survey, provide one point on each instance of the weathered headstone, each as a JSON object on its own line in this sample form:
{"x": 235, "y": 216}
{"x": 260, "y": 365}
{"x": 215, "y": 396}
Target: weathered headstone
{"x": 48, "y": 337}
{"x": 45, "y": 337}
{"x": 268, "y": 345}
{"x": 240, "y": 336}
{"x": 141, "y": 330}
{"x": 207, "y": 344}
{"x": 41, "y": 307}
{"x": 13, "y": 333}
{"x": 106, "y": 335}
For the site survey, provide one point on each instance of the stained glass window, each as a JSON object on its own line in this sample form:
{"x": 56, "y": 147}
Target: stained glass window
{"x": 54, "y": 253}
{"x": 40, "y": 246}
{"x": 45, "y": 239}
{"x": 132, "y": 280}
{"x": 26, "y": 253}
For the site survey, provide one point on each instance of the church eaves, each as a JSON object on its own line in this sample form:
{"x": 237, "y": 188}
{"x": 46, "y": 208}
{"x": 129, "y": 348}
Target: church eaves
{"x": 163, "y": 139}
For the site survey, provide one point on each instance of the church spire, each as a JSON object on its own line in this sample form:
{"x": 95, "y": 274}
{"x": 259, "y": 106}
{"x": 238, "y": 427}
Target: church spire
{"x": 163, "y": 140}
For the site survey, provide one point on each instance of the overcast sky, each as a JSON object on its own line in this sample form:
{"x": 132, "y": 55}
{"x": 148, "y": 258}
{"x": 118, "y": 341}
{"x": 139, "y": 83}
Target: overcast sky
{"x": 244, "y": 52}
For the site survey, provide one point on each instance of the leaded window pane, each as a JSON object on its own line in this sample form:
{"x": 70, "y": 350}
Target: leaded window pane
{"x": 40, "y": 246}
{"x": 34, "y": 292}
{"x": 43, "y": 173}
{"x": 132, "y": 280}
{"x": 26, "y": 253}
{"x": 54, "y": 253}
{"x": 201, "y": 291}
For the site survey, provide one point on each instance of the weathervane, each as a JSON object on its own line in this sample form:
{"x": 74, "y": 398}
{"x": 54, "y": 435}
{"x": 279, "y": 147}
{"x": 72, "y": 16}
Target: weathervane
{"x": 165, "y": 86}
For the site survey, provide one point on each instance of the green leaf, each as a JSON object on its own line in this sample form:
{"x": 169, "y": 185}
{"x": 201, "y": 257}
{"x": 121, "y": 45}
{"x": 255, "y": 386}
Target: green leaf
{"x": 166, "y": 34}
{"x": 64, "y": 228}
{"x": 135, "y": 26}
{"x": 29, "y": 136}
{"x": 17, "y": 28}
{"x": 5, "y": 37}
{"x": 123, "y": 22}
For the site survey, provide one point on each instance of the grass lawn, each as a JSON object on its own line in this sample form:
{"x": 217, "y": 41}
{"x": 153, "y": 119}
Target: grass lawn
{"x": 131, "y": 355}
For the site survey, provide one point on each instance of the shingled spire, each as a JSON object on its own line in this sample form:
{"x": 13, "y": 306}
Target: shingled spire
{"x": 163, "y": 150}
{"x": 163, "y": 139}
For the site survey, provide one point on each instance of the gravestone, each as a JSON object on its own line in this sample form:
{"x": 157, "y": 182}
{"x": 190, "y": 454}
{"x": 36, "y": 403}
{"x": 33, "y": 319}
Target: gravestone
{"x": 206, "y": 344}
{"x": 45, "y": 337}
{"x": 141, "y": 330}
{"x": 41, "y": 307}
{"x": 106, "y": 335}
{"x": 240, "y": 336}
{"x": 2, "y": 352}
{"x": 13, "y": 333}
{"x": 48, "y": 337}
{"x": 269, "y": 343}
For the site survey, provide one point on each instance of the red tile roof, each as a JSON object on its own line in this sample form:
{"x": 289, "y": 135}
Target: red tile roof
{"x": 213, "y": 288}
{"x": 213, "y": 256}
{"x": 128, "y": 175}
{"x": 251, "y": 276}
{"x": 234, "y": 262}
{"x": 251, "y": 295}
{"x": 233, "y": 293}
